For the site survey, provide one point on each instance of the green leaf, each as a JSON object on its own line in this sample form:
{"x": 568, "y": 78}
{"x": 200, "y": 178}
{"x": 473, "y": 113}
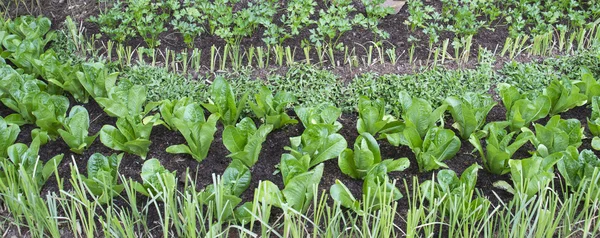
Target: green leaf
{"x": 342, "y": 195}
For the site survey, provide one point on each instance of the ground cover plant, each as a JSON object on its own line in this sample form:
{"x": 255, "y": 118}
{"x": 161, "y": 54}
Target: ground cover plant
{"x": 300, "y": 152}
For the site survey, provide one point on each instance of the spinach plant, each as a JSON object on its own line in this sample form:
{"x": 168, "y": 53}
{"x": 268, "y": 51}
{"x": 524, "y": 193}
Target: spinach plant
{"x": 244, "y": 141}
{"x": 271, "y": 109}
{"x": 222, "y": 100}
{"x": 101, "y": 179}
{"x": 8, "y": 135}
{"x": 198, "y": 135}
{"x": 469, "y": 112}
{"x": 76, "y": 133}
{"x": 556, "y": 135}
{"x": 365, "y": 156}
{"x": 520, "y": 111}
{"x": 499, "y": 146}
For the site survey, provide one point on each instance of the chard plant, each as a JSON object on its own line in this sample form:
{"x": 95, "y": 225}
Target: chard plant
{"x": 578, "y": 167}
{"x": 469, "y": 112}
{"x": 8, "y": 135}
{"x": 521, "y": 111}
{"x": 222, "y": 100}
{"x": 198, "y": 135}
{"x": 244, "y": 141}
{"x": 556, "y": 136}
{"x": 76, "y": 127}
{"x": 500, "y": 146}
{"x": 564, "y": 96}
{"x": 102, "y": 177}
{"x": 272, "y": 109}
{"x": 455, "y": 194}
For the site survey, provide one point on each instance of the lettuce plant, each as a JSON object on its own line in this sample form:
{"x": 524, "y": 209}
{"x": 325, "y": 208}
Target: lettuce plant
{"x": 131, "y": 135}
{"x": 318, "y": 143}
{"x": 61, "y": 75}
{"x": 530, "y": 175}
{"x": 499, "y": 146}
{"x": 457, "y": 193}
{"x": 102, "y": 176}
{"x": 594, "y": 121}
{"x": 22, "y": 157}
{"x": 96, "y": 79}
{"x": 556, "y": 135}
{"x": 198, "y": 135}
{"x": 575, "y": 167}
{"x": 298, "y": 192}
{"x": 76, "y": 133}
{"x": 271, "y": 109}
{"x": 184, "y": 109}
{"x": 222, "y": 100}
{"x": 244, "y": 141}
{"x": 588, "y": 85}
{"x": 371, "y": 116}
{"x": 418, "y": 118}
{"x": 8, "y": 136}
{"x": 520, "y": 111}
{"x": 17, "y": 92}
{"x": 469, "y": 112}
{"x": 438, "y": 145}
{"x": 324, "y": 115}
{"x": 365, "y": 157}
{"x": 156, "y": 180}
{"x": 564, "y": 97}
{"x": 50, "y": 112}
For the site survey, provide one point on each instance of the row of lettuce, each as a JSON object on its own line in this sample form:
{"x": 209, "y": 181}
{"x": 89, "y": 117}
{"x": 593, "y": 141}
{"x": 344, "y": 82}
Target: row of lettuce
{"x": 33, "y": 82}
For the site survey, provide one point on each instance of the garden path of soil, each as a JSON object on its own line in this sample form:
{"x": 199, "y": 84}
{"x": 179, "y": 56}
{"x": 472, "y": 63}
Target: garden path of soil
{"x": 273, "y": 148}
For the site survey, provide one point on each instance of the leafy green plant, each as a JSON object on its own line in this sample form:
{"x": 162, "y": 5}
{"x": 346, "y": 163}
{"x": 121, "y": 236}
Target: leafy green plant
{"x": 222, "y": 100}
{"x": 131, "y": 135}
{"x": 469, "y": 112}
{"x": 418, "y": 116}
{"x": 184, "y": 109}
{"x": 188, "y": 21}
{"x": 371, "y": 116}
{"x": 156, "y": 180}
{"x": 297, "y": 193}
{"x": 563, "y": 97}
{"x": 50, "y": 112}
{"x": 272, "y": 109}
{"x": 575, "y": 167}
{"x": 332, "y": 24}
{"x": 17, "y": 92}
{"x": 520, "y": 111}
{"x": 148, "y": 20}
{"x": 296, "y": 17}
{"x": 375, "y": 12}
{"x": 365, "y": 156}
{"x": 556, "y": 135}
{"x": 324, "y": 115}
{"x": 20, "y": 156}
{"x": 594, "y": 122}
{"x": 61, "y": 75}
{"x": 76, "y": 133}
{"x": 438, "y": 145}
{"x": 115, "y": 22}
{"x": 244, "y": 141}
{"x": 198, "y": 134}
{"x": 457, "y": 193}
{"x": 530, "y": 175}
{"x": 102, "y": 176}
{"x": 318, "y": 143}
{"x": 96, "y": 79}
{"x": 499, "y": 146}
{"x": 8, "y": 136}
{"x": 588, "y": 85}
